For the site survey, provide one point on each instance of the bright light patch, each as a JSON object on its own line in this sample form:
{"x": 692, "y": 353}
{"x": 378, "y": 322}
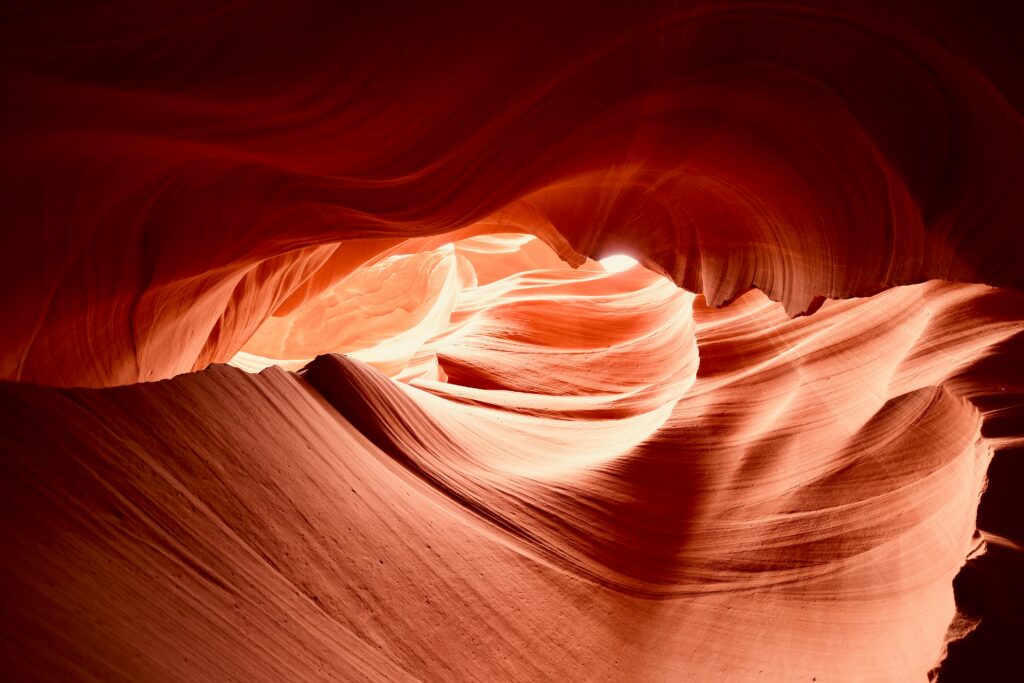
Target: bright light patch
{"x": 617, "y": 263}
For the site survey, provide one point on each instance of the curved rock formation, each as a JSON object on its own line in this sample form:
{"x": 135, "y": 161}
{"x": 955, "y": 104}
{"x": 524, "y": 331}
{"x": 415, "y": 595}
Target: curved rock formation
{"x": 475, "y": 449}
{"x": 201, "y": 154}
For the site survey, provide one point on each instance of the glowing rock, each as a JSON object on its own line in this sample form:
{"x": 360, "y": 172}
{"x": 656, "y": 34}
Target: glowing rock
{"x": 547, "y": 467}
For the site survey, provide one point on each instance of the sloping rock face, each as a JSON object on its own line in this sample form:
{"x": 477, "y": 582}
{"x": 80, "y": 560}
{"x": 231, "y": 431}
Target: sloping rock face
{"x": 465, "y": 449}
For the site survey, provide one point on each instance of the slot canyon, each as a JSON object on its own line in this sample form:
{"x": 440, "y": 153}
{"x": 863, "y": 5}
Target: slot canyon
{"x": 537, "y": 341}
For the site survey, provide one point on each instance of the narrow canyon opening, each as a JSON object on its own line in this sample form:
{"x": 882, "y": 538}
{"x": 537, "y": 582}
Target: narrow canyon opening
{"x": 658, "y": 341}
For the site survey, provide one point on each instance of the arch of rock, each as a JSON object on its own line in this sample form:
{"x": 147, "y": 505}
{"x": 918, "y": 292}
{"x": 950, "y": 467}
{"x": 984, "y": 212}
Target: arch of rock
{"x": 757, "y": 457}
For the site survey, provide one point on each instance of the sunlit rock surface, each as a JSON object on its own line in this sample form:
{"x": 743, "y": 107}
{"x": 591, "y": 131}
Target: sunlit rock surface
{"x": 666, "y": 342}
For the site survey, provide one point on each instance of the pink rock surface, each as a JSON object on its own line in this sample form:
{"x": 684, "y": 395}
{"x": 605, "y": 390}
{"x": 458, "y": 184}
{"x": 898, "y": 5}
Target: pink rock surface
{"x": 468, "y": 446}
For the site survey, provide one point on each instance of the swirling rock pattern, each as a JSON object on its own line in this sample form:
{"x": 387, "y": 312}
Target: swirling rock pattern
{"x": 808, "y": 151}
{"x": 465, "y": 449}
